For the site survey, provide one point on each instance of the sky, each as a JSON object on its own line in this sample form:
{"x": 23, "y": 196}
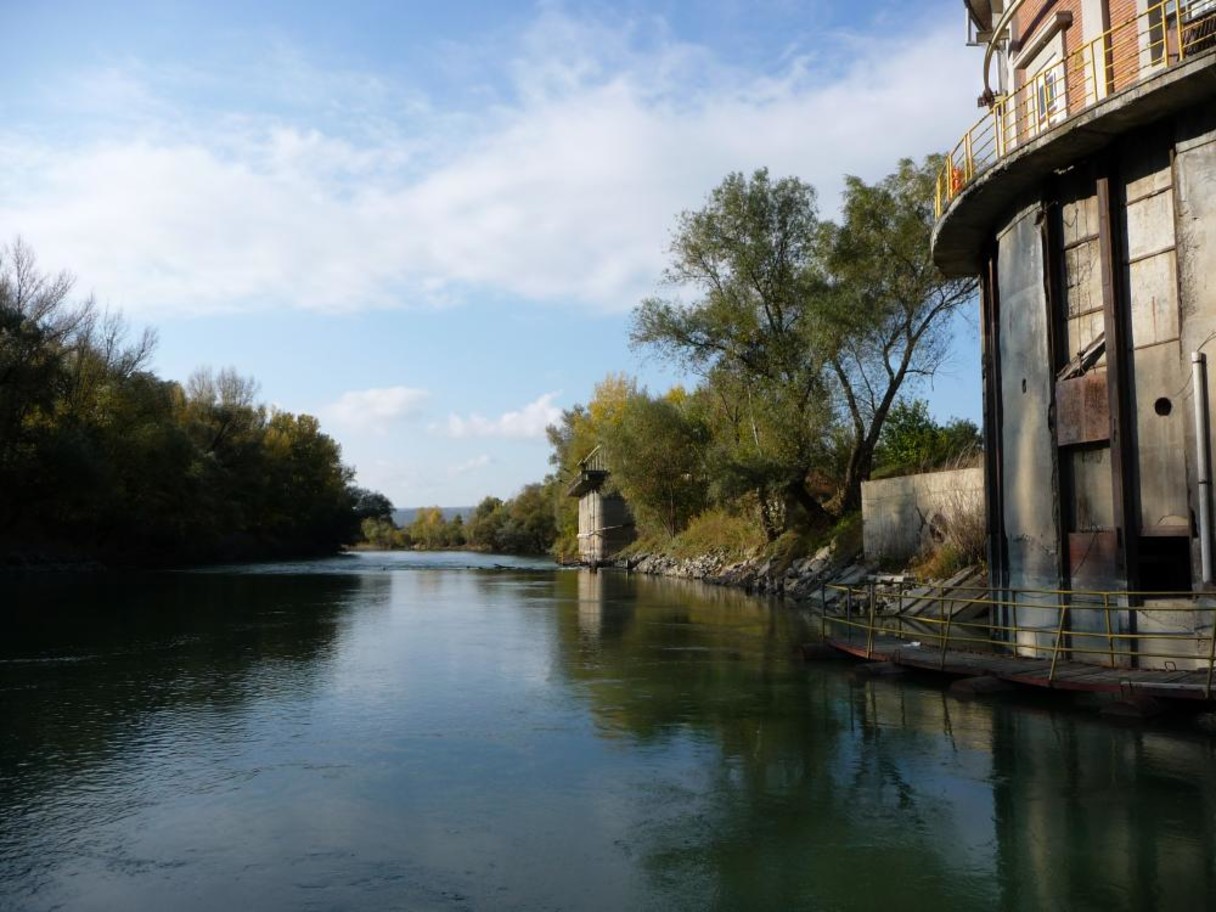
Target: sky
{"x": 428, "y": 224}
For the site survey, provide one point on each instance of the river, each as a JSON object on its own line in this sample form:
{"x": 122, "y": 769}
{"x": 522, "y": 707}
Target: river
{"x": 458, "y": 732}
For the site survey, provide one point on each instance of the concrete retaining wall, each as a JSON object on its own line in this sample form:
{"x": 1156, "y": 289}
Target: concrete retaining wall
{"x": 902, "y": 515}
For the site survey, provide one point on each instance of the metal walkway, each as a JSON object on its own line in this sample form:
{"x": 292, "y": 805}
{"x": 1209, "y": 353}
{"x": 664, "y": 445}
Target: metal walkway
{"x": 1065, "y": 675}
{"x": 1157, "y": 644}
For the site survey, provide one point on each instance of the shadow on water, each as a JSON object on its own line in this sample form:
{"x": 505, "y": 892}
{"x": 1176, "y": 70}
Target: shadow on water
{"x": 822, "y": 791}
{"x": 86, "y": 663}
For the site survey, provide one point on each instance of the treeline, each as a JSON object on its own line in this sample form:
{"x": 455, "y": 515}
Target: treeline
{"x": 100, "y": 458}
{"x": 525, "y": 524}
{"x": 806, "y": 336}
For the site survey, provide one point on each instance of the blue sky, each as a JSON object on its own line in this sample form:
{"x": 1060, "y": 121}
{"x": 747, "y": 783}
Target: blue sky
{"x": 428, "y": 223}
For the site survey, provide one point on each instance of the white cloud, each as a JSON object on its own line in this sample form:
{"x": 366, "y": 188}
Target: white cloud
{"x": 526, "y": 423}
{"x": 563, "y": 192}
{"x": 375, "y": 409}
{"x": 470, "y": 466}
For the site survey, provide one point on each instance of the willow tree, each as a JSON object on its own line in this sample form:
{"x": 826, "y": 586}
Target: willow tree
{"x": 753, "y": 261}
{"x": 890, "y": 306}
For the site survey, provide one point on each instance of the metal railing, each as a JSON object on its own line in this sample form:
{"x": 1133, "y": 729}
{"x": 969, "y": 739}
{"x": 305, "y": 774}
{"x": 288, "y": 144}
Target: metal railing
{"x": 1114, "y": 629}
{"x": 594, "y": 461}
{"x": 1143, "y": 46}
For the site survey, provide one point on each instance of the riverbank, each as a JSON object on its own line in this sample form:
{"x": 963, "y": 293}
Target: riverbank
{"x": 799, "y": 580}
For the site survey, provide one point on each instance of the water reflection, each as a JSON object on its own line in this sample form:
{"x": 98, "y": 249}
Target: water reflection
{"x": 829, "y": 793}
{"x": 404, "y": 736}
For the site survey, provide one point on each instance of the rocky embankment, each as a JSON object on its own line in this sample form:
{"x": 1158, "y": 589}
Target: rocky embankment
{"x": 799, "y": 581}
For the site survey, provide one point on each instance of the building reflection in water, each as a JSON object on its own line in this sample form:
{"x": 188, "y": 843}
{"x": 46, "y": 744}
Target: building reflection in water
{"x": 1081, "y": 813}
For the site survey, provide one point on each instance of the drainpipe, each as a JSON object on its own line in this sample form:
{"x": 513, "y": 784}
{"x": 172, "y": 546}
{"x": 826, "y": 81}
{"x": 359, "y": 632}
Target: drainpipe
{"x": 1203, "y": 462}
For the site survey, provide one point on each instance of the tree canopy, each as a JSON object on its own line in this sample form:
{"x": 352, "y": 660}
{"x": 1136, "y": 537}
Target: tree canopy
{"x": 101, "y": 458}
{"x": 803, "y": 331}
{"x": 754, "y": 259}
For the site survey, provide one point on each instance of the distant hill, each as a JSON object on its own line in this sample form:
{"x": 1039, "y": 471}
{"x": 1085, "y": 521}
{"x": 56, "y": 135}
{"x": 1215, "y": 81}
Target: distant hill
{"x": 405, "y": 515}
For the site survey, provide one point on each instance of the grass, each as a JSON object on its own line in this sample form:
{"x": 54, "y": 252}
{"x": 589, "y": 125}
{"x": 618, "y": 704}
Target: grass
{"x": 962, "y": 543}
{"x": 718, "y": 532}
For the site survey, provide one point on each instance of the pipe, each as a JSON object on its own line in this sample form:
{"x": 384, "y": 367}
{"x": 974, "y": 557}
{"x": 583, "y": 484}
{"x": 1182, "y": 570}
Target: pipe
{"x": 1203, "y": 461}
{"x": 997, "y": 29}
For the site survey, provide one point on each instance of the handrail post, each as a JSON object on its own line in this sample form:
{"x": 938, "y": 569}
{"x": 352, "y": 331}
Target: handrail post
{"x": 1017, "y": 630}
{"x": 1177, "y": 32}
{"x": 1110, "y": 639}
{"x": 1207, "y": 691}
{"x": 1055, "y": 653}
{"x": 823, "y": 609}
{"x": 870, "y": 625}
{"x": 946, "y": 637}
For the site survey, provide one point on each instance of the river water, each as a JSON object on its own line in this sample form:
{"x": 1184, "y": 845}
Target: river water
{"x": 455, "y": 732}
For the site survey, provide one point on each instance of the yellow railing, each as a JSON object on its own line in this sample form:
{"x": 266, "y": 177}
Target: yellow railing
{"x": 1162, "y": 36}
{"x": 1114, "y": 629}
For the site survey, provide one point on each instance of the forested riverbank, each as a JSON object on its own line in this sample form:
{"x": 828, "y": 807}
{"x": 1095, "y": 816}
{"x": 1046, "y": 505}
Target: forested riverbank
{"x": 104, "y": 463}
{"x": 807, "y": 338}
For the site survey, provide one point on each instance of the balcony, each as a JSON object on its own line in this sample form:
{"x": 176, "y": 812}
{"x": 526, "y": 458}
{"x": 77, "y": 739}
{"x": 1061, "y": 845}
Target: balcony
{"x": 1140, "y": 49}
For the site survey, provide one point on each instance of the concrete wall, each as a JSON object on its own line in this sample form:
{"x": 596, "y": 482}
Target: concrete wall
{"x": 1195, "y": 204}
{"x": 605, "y": 526}
{"x": 900, "y": 516}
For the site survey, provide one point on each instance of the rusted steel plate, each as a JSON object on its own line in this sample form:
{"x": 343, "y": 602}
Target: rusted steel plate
{"x": 1082, "y": 410}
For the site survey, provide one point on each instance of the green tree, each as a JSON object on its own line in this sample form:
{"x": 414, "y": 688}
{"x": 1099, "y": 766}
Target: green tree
{"x": 457, "y": 534}
{"x": 486, "y": 523}
{"x": 754, "y": 258}
{"x": 530, "y": 527}
{"x": 890, "y": 307}
{"x": 378, "y": 532}
{"x": 429, "y": 531}
{"x": 372, "y": 504}
{"x": 912, "y": 441}
{"x": 655, "y": 455}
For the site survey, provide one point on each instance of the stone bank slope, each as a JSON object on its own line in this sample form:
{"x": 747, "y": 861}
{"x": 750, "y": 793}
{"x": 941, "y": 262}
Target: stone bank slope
{"x": 800, "y": 581}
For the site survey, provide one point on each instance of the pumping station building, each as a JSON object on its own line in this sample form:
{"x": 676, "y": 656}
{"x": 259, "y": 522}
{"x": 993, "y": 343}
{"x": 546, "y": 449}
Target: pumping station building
{"x": 1085, "y": 199}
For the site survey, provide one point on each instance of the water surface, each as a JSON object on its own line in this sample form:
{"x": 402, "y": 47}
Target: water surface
{"x": 417, "y": 731}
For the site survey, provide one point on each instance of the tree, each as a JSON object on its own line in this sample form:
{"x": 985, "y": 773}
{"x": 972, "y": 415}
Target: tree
{"x": 99, "y": 457}
{"x": 912, "y": 441}
{"x": 890, "y": 304}
{"x": 372, "y": 504}
{"x": 486, "y": 523}
{"x": 39, "y": 325}
{"x": 754, "y": 258}
{"x": 428, "y": 531}
{"x": 655, "y": 457}
{"x": 378, "y": 532}
{"x": 530, "y": 526}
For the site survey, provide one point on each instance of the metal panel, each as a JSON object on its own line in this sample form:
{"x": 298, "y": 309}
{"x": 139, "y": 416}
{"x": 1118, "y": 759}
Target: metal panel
{"x": 1082, "y": 410}
{"x": 1161, "y": 418}
{"x": 1026, "y": 383}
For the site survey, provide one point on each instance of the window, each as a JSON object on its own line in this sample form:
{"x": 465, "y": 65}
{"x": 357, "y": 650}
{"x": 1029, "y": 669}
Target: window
{"x": 1048, "y": 96}
{"x": 1044, "y": 91}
